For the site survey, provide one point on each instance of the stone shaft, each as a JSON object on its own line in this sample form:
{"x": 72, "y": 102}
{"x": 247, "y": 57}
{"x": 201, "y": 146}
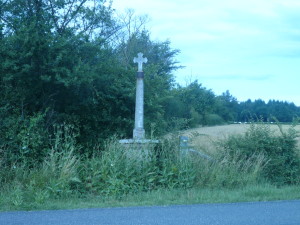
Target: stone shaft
{"x": 139, "y": 132}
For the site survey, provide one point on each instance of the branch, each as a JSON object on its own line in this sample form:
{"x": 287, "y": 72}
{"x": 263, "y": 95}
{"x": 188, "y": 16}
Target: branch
{"x": 53, "y": 16}
{"x": 4, "y": 3}
{"x": 66, "y": 22}
{"x": 66, "y": 15}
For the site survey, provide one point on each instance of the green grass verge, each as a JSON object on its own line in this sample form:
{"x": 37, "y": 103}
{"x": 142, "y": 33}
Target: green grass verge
{"x": 164, "y": 197}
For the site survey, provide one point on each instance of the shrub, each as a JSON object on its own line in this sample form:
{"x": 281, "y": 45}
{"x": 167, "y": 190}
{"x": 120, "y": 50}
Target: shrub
{"x": 195, "y": 119}
{"x": 24, "y": 139}
{"x": 280, "y": 150}
{"x": 56, "y": 176}
{"x": 213, "y": 119}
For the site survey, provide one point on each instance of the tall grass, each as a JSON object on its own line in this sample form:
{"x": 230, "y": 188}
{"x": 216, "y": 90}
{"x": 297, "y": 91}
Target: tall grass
{"x": 114, "y": 172}
{"x": 23, "y": 185}
{"x": 64, "y": 173}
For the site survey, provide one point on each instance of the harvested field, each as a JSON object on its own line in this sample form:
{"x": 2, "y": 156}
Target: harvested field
{"x": 204, "y": 138}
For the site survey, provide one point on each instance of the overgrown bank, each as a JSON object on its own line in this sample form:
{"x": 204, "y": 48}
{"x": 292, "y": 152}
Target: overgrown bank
{"x": 257, "y": 162}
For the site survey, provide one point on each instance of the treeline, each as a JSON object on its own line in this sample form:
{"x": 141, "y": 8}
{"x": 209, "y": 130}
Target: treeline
{"x": 195, "y": 105}
{"x": 272, "y": 111}
{"x": 70, "y": 62}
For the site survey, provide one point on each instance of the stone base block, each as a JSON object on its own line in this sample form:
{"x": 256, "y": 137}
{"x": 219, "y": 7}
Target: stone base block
{"x": 140, "y": 149}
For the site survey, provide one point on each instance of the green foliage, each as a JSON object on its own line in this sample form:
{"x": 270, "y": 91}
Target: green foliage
{"x": 283, "y": 162}
{"x": 70, "y": 61}
{"x": 214, "y": 119}
{"x": 196, "y": 118}
{"x": 237, "y": 171}
{"x": 283, "y": 111}
{"x": 54, "y": 177}
{"x": 192, "y": 103}
{"x": 116, "y": 172}
{"x": 227, "y": 107}
{"x": 23, "y": 139}
{"x": 55, "y": 58}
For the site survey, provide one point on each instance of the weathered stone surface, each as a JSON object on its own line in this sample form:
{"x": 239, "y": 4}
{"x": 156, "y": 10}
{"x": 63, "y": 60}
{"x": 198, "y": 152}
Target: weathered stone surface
{"x": 139, "y": 149}
{"x": 138, "y": 131}
{"x": 138, "y": 141}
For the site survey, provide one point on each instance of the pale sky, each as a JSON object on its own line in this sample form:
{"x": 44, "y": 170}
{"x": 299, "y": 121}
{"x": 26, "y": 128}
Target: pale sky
{"x": 249, "y": 47}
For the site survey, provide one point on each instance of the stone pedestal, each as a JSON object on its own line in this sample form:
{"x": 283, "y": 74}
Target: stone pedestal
{"x": 139, "y": 149}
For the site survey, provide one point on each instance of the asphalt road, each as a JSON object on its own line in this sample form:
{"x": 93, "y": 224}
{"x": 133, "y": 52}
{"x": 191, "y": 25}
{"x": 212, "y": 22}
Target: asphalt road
{"x": 256, "y": 213}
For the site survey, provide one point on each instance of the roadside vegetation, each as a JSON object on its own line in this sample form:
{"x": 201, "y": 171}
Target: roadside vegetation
{"x": 256, "y": 165}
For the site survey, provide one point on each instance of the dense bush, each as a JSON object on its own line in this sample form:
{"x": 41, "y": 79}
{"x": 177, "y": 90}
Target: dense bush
{"x": 280, "y": 150}
{"x": 23, "y": 139}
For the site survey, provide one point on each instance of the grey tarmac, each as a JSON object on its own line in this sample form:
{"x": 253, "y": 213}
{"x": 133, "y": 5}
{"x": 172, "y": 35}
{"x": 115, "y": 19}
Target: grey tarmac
{"x": 249, "y": 213}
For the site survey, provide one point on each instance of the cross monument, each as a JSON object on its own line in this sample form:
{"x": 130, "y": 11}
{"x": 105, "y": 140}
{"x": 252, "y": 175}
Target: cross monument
{"x": 138, "y": 131}
{"x": 138, "y": 147}
{"x": 140, "y": 60}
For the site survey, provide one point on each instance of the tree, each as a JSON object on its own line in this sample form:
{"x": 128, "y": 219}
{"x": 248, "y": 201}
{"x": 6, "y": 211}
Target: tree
{"x": 53, "y": 45}
{"x": 227, "y": 106}
{"x": 197, "y": 101}
{"x": 54, "y": 54}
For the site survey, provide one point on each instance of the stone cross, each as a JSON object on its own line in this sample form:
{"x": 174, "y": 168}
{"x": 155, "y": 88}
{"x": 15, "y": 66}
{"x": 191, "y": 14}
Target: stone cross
{"x": 140, "y": 60}
{"x": 138, "y": 131}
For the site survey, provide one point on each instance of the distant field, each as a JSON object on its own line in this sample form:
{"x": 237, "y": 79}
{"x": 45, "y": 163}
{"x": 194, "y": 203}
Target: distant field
{"x": 205, "y": 137}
